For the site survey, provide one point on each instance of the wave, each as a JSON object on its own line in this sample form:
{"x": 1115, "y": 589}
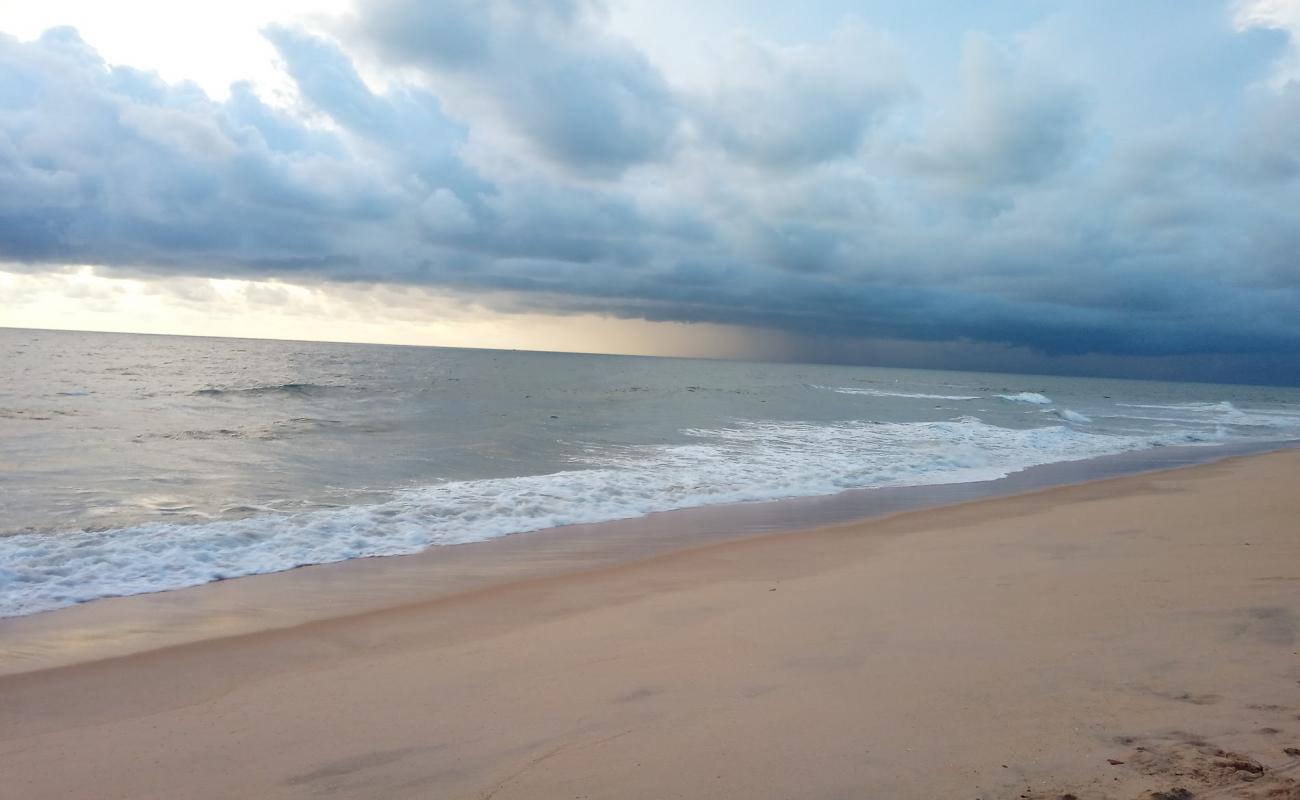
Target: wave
{"x": 882, "y": 393}
{"x": 1222, "y": 405}
{"x": 33, "y": 414}
{"x": 1027, "y": 397}
{"x": 1197, "y": 406}
{"x": 747, "y": 461}
{"x": 1072, "y": 416}
{"x": 293, "y": 389}
{"x": 282, "y": 429}
{"x": 1218, "y": 413}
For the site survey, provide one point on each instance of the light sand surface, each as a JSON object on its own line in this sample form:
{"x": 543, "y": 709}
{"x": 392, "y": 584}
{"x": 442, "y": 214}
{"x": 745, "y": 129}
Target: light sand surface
{"x": 1002, "y": 648}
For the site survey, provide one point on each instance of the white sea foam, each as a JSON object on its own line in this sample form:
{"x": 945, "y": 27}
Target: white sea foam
{"x": 1072, "y": 416}
{"x": 1027, "y": 397}
{"x": 744, "y": 462}
{"x": 882, "y": 393}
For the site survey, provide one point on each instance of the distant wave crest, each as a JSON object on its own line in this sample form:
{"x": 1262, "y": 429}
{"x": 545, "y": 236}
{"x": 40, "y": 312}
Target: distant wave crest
{"x": 281, "y": 429}
{"x": 298, "y": 389}
{"x": 1218, "y": 413}
{"x": 1027, "y": 397}
{"x": 883, "y": 393}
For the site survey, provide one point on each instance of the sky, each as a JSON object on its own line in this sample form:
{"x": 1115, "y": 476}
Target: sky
{"x": 1077, "y": 186}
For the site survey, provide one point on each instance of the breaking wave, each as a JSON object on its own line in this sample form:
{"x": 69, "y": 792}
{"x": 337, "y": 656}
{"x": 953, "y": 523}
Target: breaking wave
{"x": 882, "y": 393}
{"x": 1027, "y": 397}
{"x": 746, "y": 461}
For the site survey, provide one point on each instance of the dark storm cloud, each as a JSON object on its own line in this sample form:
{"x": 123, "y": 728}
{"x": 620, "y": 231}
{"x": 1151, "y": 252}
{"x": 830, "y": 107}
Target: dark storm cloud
{"x": 581, "y": 96}
{"x": 818, "y": 190}
{"x": 407, "y": 125}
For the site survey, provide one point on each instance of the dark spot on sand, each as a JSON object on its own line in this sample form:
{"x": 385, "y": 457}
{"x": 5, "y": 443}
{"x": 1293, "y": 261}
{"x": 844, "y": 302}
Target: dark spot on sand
{"x": 638, "y": 694}
{"x": 346, "y": 766}
{"x": 1241, "y": 765}
{"x": 1114, "y": 762}
{"x": 1274, "y": 625}
{"x": 1292, "y": 751}
{"x": 1194, "y": 768}
{"x": 1189, "y": 697}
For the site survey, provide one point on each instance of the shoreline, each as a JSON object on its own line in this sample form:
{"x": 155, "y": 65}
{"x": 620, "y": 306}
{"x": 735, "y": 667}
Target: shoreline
{"x": 1108, "y": 639}
{"x": 118, "y": 626}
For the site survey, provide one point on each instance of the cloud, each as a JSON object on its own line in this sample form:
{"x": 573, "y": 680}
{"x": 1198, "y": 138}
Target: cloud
{"x": 406, "y": 125}
{"x": 1278, "y": 15}
{"x": 1012, "y": 127}
{"x": 786, "y": 107}
{"x": 524, "y": 155}
{"x": 574, "y": 92}
{"x": 104, "y": 164}
{"x": 1270, "y": 148}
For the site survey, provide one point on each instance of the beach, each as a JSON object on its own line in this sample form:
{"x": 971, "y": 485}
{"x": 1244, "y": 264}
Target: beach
{"x": 611, "y": 400}
{"x": 1104, "y": 640}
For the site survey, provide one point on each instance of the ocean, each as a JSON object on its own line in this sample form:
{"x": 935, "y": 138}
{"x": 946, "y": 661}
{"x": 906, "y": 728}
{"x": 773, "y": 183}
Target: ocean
{"x": 134, "y": 463}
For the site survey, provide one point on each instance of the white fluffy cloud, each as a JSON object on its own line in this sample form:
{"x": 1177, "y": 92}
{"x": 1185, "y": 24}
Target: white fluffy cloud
{"x": 794, "y": 106}
{"x": 1280, "y": 15}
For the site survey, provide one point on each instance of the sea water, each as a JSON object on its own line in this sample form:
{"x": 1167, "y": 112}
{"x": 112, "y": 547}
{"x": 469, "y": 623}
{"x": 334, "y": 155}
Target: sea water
{"x": 134, "y": 463}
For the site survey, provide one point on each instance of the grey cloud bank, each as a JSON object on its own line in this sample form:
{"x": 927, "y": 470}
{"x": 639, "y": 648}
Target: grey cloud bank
{"x": 525, "y": 152}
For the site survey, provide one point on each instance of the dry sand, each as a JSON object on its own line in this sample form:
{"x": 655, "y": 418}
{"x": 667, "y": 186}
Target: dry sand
{"x": 1002, "y": 648}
